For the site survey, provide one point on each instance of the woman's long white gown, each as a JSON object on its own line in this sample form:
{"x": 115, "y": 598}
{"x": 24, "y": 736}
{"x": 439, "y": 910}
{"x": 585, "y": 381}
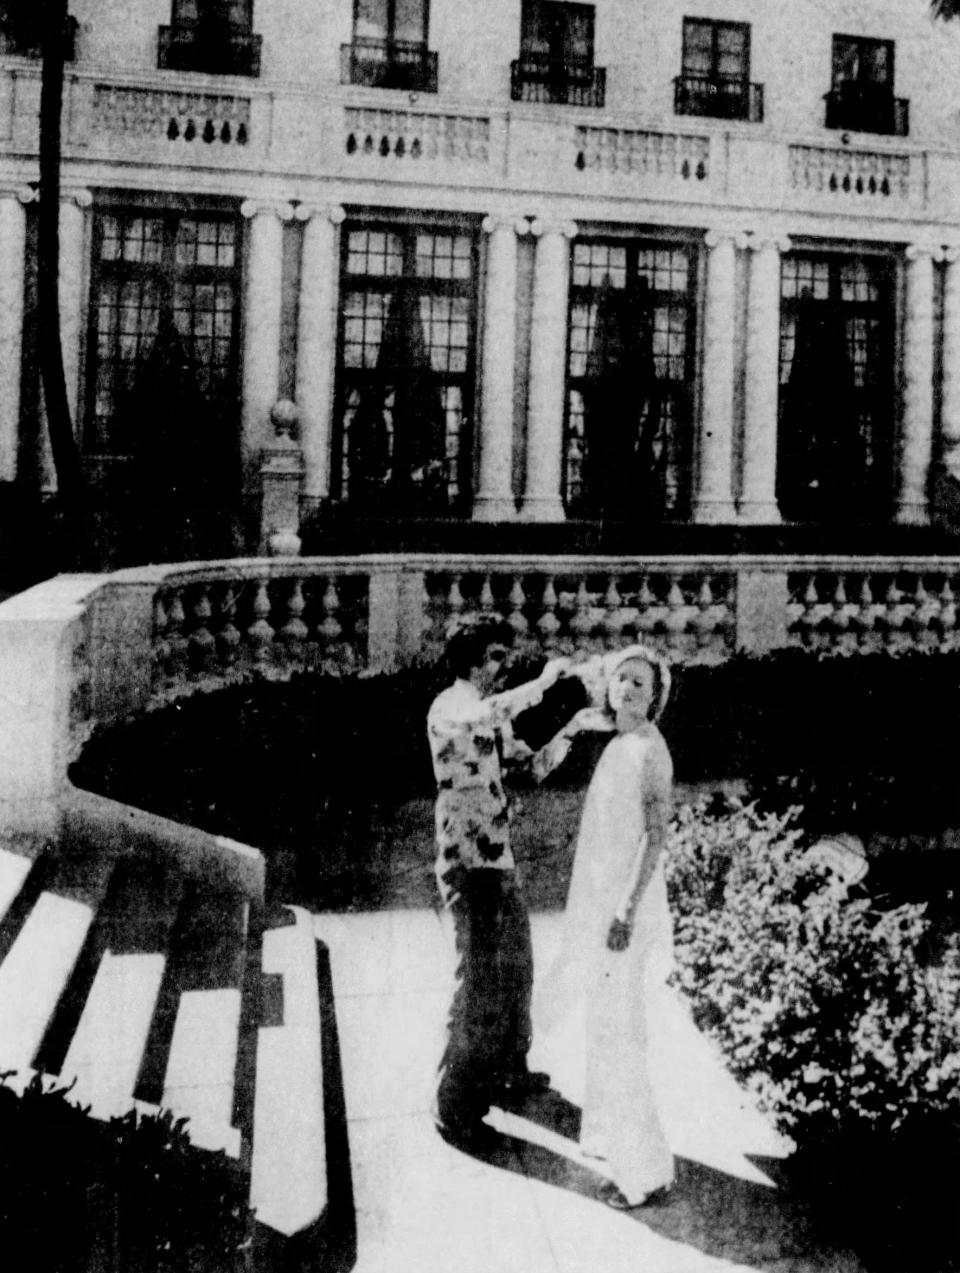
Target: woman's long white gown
{"x": 610, "y": 990}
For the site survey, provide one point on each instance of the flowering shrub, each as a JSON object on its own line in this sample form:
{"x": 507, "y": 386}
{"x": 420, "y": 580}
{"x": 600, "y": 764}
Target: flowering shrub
{"x": 822, "y": 1004}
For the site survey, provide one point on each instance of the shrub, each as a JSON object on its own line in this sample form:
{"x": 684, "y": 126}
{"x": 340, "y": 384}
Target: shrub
{"x": 823, "y": 1005}
{"x": 82, "y": 1196}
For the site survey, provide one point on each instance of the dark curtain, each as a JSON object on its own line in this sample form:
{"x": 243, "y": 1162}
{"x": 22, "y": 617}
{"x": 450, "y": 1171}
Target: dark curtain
{"x": 397, "y": 438}
{"x": 622, "y": 469}
{"x": 822, "y": 465}
{"x": 185, "y": 464}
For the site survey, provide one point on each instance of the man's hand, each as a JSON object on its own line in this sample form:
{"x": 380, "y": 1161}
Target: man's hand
{"x": 554, "y": 670}
{"x": 589, "y": 718}
{"x": 618, "y": 938}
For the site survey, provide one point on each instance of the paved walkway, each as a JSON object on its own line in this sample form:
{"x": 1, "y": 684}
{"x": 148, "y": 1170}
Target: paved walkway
{"x": 423, "y": 1206}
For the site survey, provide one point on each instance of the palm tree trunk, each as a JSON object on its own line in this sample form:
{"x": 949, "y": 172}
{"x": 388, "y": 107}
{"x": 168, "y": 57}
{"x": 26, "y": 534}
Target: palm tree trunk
{"x": 74, "y": 546}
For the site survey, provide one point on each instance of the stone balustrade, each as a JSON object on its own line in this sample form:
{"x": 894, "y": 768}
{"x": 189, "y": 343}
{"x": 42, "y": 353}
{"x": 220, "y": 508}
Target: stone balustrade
{"x": 80, "y": 651}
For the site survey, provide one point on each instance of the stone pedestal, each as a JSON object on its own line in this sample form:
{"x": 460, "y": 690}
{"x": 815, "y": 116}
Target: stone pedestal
{"x": 281, "y": 479}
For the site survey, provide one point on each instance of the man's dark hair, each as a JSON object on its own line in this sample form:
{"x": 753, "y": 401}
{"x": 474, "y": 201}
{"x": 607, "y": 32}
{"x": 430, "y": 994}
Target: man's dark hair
{"x": 466, "y": 648}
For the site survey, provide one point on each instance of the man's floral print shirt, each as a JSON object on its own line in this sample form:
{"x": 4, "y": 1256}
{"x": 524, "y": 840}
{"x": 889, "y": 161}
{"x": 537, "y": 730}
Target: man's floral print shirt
{"x": 470, "y": 737}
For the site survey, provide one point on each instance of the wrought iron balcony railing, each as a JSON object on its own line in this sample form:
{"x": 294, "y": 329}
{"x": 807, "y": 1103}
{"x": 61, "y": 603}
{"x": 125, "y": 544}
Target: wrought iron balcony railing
{"x": 400, "y": 64}
{"x": 220, "y": 51}
{"x": 867, "y": 109}
{"x": 719, "y": 97}
{"x": 558, "y": 82}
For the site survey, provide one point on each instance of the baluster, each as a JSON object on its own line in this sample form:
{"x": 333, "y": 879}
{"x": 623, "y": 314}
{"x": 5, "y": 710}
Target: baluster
{"x": 330, "y": 628}
{"x": 920, "y": 617}
{"x": 703, "y": 622}
{"x": 228, "y": 637}
{"x": 808, "y": 622}
{"x": 487, "y": 605}
{"x": 295, "y": 632}
{"x": 177, "y": 642}
{"x": 893, "y": 617}
{"x": 203, "y": 647}
{"x": 865, "y": 619}
{"x": 646, "y": 619}
{"x": 548, "y": 625}
{"x": 581, "y": 623}
{"x": 516, "y": 618}
{"x": 455, "y": 603}
{"x": 161, "y": 646}
{"x": 948, "y": 613}
{"x": 260, "y": 634}
{"x": 675, "y": 620}
{"x": 612, "y": 621}
{"x": 839, "y": 617}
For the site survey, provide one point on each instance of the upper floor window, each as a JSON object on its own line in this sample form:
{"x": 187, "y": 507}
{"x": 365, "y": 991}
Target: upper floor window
{"x": 389, "y": 48}
{"x": 715, "y": 74}
{"x": 861, "y": 95}
{"x": 21, "y": 31}
{"x": 211, "y": 36}
{"x": 556, "y": 56}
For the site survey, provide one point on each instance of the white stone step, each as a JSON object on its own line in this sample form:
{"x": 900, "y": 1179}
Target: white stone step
{"x": 288, "y": 1186}
{"x": 199, "y": 1078}
{"x": 107, "y": 1048}
{"x": 14, "y": 869}
{"x": 35, "y": 972}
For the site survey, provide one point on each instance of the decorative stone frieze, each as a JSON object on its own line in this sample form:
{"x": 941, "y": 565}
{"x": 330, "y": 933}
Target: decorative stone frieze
{"x": 650, "y": 154}
{"x": 857, "y": 173}
{"x": 413, "y": 135}
{"x": 171, "y": 115}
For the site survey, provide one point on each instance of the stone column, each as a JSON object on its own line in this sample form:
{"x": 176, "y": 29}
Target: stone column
{"x": 758, "y": 500}
{"x": 13, "y": 237}
{"x": 950, "y": 404}
{"x": 494, "y": 500}
{"x": 542, "y": 501}
{"x": 261, "y": 320}
{"x": 74, "y": 205}
{"x": 916, "y": 441}
{"x": 316, "y": 343}
{"x": 713, "y": 501}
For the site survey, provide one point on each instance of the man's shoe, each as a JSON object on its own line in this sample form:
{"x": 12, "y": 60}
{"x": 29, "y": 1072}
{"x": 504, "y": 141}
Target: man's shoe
{"x": 471, "y": 1138}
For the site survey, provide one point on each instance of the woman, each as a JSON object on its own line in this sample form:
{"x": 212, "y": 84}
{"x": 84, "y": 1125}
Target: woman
{"x": 617, "y": 937}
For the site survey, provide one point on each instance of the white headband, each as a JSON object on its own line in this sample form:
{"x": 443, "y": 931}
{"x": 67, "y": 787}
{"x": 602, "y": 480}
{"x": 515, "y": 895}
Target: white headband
{"x": 615, "y": 684}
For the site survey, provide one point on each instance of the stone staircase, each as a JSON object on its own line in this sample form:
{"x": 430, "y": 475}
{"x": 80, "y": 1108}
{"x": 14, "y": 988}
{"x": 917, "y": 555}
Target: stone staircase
{"x": 147, "y": 987}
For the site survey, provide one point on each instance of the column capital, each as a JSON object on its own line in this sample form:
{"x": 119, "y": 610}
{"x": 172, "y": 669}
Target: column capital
{"x": 333, "y": 212}
{"x": 79, "y": 196}
{"x": 540, "y": 226}
{"x": 768, "y": 242}
{"x": 916, "y": 251}
{"x": 505, "y": 221}
{"x": 22, "y": 193}
{"x": 279, "y": 208}
{"x": 950, "y": 252}
{"x": 723, "y": 234}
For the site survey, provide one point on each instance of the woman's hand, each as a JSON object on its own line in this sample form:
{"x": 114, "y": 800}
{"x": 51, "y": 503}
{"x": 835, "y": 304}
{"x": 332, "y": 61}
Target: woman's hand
{"x": 618, "y": 938}
{"x": 554, "y": 670}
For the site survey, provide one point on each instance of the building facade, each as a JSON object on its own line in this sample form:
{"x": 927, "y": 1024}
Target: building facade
{"x": 642, "y": 264}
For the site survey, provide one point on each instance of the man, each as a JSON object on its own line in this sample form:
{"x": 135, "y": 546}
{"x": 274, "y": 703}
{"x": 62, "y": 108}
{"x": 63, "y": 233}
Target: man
{"x": 471, "y": 739}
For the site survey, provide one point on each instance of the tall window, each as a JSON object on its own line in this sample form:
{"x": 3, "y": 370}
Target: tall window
{"x": 861, "y": 93}
{"x": 406, "y": 369}
{"x": 211, "y": 36}
{"x": 163, "y": 371}
{"x": 835, "y": 448}
{"x": 556, "y": 55}
{"x": 629, "y": 379}
{"x": 389, "y": 48}
{"x": 715, "y": 73}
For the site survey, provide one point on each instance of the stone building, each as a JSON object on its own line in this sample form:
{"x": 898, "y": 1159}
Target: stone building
{"x": 650, "y": 266}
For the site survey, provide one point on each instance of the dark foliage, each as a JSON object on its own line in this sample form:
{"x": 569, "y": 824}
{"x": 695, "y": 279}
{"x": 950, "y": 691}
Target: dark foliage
{"x": 127, "y": 1196}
